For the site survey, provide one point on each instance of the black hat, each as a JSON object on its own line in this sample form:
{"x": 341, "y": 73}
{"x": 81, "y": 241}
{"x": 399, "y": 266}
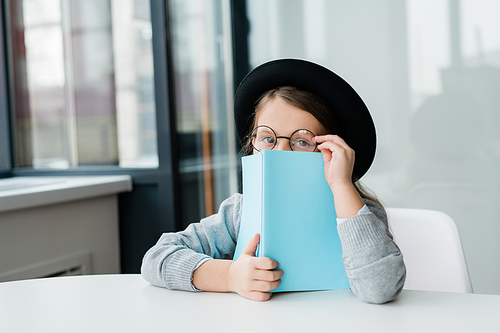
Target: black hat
{"x": 340, "y": 96}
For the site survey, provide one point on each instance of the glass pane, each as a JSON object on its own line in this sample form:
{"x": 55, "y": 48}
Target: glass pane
{"x": 203, "y": 96}
{"x": 429, "y": 72}
{"x": 83, "y": 83}
{"x": 134, "y": 83}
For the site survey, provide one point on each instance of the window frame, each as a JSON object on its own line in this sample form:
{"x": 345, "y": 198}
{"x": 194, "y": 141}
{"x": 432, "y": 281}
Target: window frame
{"x": 5, "y": 136}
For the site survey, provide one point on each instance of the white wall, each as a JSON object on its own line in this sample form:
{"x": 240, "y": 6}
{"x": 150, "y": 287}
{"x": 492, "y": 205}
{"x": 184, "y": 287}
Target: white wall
{"x": 433, "y": 90}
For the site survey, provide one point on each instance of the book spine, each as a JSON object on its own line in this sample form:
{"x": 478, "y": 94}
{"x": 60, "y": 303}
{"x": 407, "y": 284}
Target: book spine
{"x": 261, "y": 248}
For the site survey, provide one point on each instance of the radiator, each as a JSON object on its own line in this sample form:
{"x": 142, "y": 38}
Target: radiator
{"x": 78, "y": 263}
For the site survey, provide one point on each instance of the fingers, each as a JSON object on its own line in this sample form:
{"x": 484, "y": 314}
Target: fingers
{"x": 326, "y": 153}
{"x": 335, "y": 147}
{"x": 332, "y": 138}
{"x": 259, "y": 290}
{"x": 265, "y": 286}
{"x": 257, "y": 296}
{"x": 265, "y": 263}
{"x": 333, "y": 144}
{"x": 254, "y": 283}
{"x": 338, "y": 158}
{"x": 263, "y": 275}
{"x": 265, "y": 281}
{"x": 251, "y": 247}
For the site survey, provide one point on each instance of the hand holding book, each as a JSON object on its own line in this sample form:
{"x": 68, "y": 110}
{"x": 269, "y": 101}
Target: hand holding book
{"x": 254, "y": 277}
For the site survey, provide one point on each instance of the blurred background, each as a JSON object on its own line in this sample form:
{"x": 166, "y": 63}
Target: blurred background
{"x": 145, "y": 88}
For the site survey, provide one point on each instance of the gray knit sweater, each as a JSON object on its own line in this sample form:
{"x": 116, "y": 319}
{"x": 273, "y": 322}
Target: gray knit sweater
{"x": 373, "y": 263}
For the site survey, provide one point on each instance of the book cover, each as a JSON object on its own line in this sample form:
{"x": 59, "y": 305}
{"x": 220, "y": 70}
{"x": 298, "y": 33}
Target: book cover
{"x": 287, "y": 200}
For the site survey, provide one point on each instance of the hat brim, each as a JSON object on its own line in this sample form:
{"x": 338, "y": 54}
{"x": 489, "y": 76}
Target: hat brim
{"x": 356, "y": 120}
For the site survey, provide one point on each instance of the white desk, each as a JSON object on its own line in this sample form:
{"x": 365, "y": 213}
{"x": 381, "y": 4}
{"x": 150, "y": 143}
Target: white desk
{"x": 127, "y": 303}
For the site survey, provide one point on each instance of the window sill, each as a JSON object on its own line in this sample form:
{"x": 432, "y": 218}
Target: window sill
{"x": 27, "y": 192}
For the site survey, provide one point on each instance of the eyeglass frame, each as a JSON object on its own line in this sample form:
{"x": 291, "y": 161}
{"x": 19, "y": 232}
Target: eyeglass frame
{"x": 281, "y": 137}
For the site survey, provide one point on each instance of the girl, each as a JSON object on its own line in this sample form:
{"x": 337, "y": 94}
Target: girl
{"x": 286, "y": 97}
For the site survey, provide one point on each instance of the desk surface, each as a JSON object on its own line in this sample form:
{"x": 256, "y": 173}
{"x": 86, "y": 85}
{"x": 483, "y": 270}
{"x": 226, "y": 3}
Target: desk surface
{"x": 127, "y": 303}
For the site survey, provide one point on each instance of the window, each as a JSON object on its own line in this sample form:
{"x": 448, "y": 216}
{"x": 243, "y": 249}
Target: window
{"x": 82, "y": 83}
{"x": 202, "y": 76}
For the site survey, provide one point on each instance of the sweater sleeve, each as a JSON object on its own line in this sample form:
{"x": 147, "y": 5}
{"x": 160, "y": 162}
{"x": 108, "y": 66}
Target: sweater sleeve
{"x": 373, "y": 262}
{"x": 171, "y": 262}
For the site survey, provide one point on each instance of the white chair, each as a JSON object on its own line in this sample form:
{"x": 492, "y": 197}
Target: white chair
{"x": 431, "y": 248}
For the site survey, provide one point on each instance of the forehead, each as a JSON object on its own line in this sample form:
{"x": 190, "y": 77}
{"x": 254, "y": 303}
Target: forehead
{"x": 286, "y": 119}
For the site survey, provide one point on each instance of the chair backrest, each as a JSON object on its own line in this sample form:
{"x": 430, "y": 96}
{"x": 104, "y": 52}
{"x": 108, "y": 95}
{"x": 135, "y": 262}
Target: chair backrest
{"x": 431, "y": 248}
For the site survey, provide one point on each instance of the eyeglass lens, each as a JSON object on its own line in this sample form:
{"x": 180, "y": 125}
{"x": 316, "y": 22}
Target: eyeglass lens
{"x": 264, "y": 138}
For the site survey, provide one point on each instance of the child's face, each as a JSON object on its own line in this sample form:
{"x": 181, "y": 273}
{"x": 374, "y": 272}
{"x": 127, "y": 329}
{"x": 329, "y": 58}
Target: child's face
{"x": 285, "y": 119}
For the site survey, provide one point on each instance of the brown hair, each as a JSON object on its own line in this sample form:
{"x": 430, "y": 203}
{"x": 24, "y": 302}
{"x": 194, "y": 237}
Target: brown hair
{"x": 317, "y": 107}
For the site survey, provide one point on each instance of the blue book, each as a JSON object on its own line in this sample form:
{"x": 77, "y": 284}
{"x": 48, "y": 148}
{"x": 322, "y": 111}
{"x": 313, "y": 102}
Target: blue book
{"x": 287, "y": 200}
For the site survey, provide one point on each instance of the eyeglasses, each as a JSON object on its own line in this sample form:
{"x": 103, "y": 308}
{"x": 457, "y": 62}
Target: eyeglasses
{"x": 264, "y": 138}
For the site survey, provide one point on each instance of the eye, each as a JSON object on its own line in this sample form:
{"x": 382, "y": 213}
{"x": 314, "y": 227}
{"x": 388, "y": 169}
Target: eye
{"x": 268, "y": 139}
{"x": 302, "y": 144}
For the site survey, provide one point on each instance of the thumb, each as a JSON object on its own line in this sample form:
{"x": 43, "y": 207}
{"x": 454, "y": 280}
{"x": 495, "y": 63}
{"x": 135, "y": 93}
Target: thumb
{"x": 251, "y": 247}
